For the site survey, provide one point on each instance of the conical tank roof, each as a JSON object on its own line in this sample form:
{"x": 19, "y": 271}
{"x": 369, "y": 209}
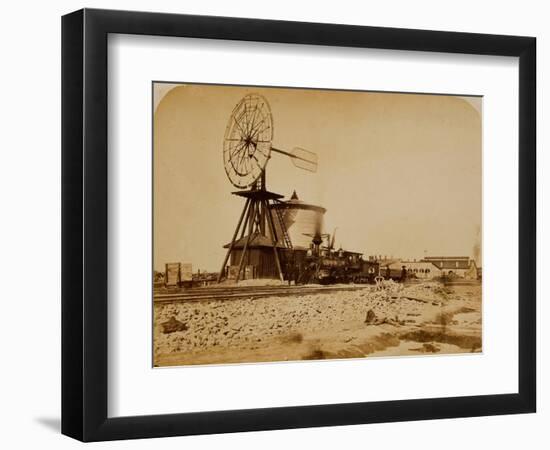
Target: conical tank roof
{"x": 295, "y": 203}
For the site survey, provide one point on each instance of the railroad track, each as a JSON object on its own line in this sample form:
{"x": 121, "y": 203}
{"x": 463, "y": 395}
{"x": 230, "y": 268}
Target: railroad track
{"x": 234, "y": 293}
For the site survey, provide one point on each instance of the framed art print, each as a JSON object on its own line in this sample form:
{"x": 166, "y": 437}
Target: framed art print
{"x": 274, "y": 224}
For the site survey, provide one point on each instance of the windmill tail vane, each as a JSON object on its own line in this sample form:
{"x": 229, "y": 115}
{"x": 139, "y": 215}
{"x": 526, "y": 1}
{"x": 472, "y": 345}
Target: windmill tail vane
{"x": 301, "y": 158}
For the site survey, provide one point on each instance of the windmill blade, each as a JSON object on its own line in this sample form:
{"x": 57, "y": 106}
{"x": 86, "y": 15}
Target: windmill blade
{"x": 304, "y": 159}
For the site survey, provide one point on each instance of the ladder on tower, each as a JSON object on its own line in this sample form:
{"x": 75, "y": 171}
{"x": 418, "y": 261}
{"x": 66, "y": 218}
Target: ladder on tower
{"x": 286, "y": 238}
{"x": 287, "y": 254}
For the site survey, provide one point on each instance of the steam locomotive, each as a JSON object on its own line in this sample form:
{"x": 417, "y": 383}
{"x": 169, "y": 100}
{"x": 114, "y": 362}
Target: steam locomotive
{"x": 334, "y": 269}
{"x": 324, "y": 265}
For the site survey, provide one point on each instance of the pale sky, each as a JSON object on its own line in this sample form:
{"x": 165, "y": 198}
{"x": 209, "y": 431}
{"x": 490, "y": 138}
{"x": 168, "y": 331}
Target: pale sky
{"x": 399, "y": 174}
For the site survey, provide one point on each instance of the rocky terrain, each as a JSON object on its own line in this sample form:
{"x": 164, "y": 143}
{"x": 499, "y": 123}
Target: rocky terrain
{"x": 389, "y": 320}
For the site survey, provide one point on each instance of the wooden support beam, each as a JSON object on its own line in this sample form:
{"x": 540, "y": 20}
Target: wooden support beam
{"x": 251, "y": 214}
{"x": 222, "y": 271}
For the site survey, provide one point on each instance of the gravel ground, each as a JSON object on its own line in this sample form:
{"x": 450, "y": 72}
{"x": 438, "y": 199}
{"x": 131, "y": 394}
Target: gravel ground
{"x": 424, "y": 318}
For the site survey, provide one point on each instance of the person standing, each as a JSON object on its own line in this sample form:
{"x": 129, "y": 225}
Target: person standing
{"x": 403, "y": 274}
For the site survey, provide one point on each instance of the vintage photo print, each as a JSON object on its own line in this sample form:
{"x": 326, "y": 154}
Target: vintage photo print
{"x": 298, "y": 224}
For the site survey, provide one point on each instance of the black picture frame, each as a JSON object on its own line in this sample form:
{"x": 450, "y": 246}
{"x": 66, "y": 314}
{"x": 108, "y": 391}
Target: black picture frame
{"x": 84, "y": 224}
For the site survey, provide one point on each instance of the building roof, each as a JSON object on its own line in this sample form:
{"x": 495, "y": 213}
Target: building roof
{"x": 256, "y": 240}
{"x": 422, "y": 262}
{"x": 446, "y": 258}
{"x": 450, "y": 262}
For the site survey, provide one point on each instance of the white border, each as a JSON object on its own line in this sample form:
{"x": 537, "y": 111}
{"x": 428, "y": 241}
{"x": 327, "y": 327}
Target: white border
{"x": 135, "y": 388}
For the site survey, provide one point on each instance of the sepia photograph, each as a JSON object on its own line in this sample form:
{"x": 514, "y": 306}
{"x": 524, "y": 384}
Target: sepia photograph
{"x": 295, "y": 224}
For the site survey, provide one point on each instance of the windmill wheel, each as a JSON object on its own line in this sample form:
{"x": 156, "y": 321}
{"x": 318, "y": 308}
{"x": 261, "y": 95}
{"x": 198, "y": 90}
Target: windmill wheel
{"x": 247, "y": 140}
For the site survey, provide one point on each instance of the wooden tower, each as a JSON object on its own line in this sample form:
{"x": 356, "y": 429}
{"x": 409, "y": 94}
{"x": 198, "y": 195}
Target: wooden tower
{"x": 257, "y": 219}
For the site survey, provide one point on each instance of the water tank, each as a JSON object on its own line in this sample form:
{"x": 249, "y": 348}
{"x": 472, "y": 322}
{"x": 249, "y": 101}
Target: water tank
{"x": 302, "y": 220}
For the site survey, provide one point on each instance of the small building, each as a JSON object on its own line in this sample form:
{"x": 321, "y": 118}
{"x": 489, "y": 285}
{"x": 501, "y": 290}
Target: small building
{"x": 415, "y": 269}
{"x": 259, "y": 255}
{"x": 421, "y": 269}
{"x": 461, "y": 266}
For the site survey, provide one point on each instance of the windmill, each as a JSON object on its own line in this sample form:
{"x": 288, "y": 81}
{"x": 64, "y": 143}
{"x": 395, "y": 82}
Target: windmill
{"x": 247, "y": 148}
